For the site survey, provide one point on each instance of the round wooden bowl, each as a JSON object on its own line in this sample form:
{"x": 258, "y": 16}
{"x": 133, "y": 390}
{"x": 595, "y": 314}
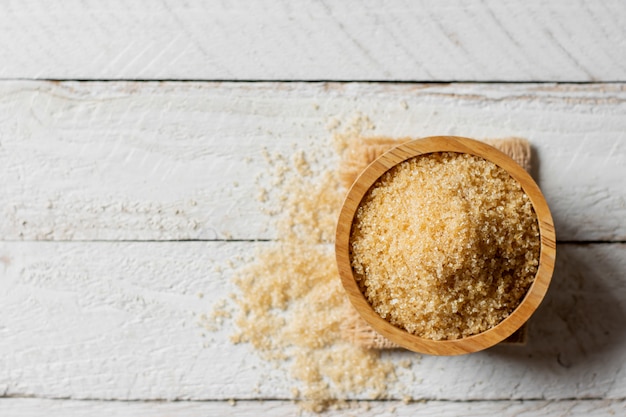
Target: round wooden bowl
{"x": 477, "y": 342}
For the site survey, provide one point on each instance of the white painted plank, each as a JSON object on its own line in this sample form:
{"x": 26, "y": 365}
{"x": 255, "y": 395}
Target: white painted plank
{"x": 152, "y": 161}
{"x": 35, "y": 407}
{"x": 119, "y": 321}
{"x": 431, "y": 40}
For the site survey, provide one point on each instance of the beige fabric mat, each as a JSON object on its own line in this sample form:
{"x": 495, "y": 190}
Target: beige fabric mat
{"x": 358, "y": 155}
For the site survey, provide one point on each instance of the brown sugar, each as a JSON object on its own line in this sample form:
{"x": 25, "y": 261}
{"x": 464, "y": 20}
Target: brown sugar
{"x": 291, "y": 306}
{"x": 445, "y": 245}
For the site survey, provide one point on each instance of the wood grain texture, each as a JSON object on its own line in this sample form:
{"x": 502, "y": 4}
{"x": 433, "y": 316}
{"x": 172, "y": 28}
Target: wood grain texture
{"x": 429, "y": 40}
{"x": 55, "y": 408}
{"x": 170, "y": 161}
{"x": 120, "y": 321}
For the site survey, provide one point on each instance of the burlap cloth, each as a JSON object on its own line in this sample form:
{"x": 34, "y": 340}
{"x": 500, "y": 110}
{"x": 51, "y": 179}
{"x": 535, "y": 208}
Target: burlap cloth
{"x": 358, "y": 155}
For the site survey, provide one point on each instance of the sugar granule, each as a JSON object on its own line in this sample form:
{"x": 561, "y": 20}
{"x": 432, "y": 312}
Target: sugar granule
{"x": 445, "y": 245}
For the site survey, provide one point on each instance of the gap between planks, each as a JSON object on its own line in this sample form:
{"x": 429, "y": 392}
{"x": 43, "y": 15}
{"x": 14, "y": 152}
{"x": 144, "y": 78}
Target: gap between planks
{"x": 291, "y": 400}
{"x": 583, "y": 407}
{"x": 313, "y": 81}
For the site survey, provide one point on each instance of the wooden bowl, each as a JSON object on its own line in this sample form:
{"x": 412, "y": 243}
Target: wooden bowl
{"x": 479, "y": 341}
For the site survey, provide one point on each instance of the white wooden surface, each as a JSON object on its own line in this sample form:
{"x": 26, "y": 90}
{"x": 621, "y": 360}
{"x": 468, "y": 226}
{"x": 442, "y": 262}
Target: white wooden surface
{"x": 146, "y": 161}
{"x": 429, "y": 40}
{"x": 119, "y": 321}
{"x": 121, "y": 201}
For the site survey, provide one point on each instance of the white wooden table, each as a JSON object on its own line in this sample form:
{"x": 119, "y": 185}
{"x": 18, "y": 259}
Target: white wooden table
{"x": 122, "y": 194}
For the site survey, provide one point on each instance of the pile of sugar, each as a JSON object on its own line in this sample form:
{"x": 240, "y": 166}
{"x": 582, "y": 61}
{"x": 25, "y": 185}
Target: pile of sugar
{"x": 445, "y": 245}
{"x": 291, "y": 303}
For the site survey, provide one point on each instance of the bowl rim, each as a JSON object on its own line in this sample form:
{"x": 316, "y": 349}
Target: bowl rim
{"x": 535, "y": 293}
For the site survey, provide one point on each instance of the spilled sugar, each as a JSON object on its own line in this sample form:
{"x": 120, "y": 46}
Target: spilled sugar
{"x": 291, "y": 303}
